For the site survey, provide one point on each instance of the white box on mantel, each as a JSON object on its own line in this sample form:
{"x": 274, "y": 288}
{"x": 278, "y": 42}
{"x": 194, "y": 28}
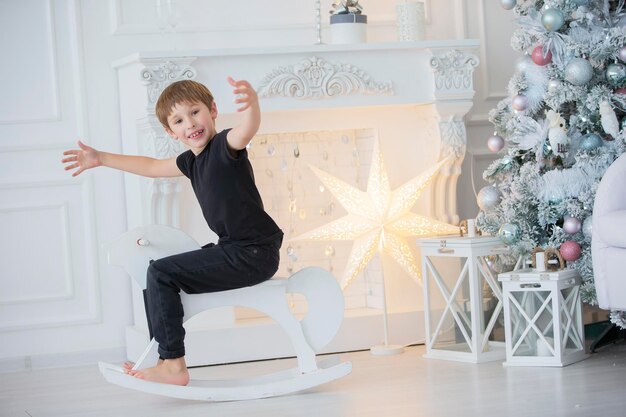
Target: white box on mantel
{"x": 462, "y": 299}
{"x": 543, "y": 317}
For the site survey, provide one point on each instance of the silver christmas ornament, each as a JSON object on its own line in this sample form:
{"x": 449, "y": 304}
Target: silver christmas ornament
{"x": 553, "y": 19}
{"x": 488, "y": 197}
{"x": 508, "y": 4}
{"x": 590, "y": 142}
{"x": 571, "y": 225}
{"x": 519, "y": 102}
{"x": 616, "y": 74}
{"x": 579, "y": 71}
{"x": 495, "y": 143}
{"x": 554, "y": 85}
{"x": 509, "y": 233}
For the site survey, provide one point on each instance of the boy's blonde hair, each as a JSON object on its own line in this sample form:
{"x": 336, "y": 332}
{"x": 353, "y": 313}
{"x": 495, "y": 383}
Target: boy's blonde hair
{"x": 185, "y": 91}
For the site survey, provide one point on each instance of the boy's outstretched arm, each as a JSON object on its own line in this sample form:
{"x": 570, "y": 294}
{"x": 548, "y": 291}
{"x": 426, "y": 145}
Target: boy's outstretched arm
{"x": 248, "y": 102}
{"x": 86, "y": 157}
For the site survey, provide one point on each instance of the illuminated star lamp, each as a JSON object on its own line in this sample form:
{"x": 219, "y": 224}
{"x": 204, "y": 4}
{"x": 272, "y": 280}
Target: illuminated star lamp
{"x": 379, "y": 220}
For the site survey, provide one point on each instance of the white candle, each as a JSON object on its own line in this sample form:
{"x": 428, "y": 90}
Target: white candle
{"x": 410, "y": 17}
{"x": 471, "y": 228}
{"x": 540, "y": 260}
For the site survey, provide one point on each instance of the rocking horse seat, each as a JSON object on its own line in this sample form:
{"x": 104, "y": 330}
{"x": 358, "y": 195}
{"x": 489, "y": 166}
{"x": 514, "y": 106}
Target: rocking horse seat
{"x": 135, "y": 249}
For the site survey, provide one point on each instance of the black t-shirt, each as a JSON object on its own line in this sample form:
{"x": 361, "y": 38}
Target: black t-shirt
{"x": 225, "y": 188}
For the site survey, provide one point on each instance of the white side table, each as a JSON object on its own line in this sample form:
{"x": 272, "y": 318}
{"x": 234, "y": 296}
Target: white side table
{"x": 463, "y": 310}
{"x": 543, "y": 317}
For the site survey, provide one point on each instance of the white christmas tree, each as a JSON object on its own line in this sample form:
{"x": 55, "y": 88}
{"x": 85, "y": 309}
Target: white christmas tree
{"x": 559, "y": 130}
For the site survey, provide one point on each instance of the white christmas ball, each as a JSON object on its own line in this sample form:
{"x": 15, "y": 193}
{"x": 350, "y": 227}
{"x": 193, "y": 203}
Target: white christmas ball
{"x": 495, "y": 143}
{"x": 587, "y": 226}
{"x": 519, "y": 102}
{"x": 488, "y": 197}
{"x": 571, "y": 225}
{"x": 579, "y": 71}
{"x": 508, "y": 4}
{"x": 554, "y": 84}
{"x": 553, "y": 19}
{"x": 524, "y": 63}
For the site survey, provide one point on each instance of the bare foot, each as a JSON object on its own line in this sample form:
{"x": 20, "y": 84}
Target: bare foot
{"x": 171, "y": 371}
{"x": 128, "y": 366}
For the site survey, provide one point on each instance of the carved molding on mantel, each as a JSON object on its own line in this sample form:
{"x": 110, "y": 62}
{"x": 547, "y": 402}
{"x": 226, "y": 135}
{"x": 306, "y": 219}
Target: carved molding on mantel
{"x": 454, "y": 71}
{"x": 316, "y": 78}
{"x": 159, "y": 76}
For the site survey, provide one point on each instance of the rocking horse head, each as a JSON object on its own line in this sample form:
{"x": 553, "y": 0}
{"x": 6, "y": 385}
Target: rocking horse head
{"x": 136, "y": 248}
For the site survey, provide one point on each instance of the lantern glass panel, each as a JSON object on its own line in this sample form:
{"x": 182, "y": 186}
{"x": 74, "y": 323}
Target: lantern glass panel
{"x": 449, "y": 305}
{"x": 531, "y": 318}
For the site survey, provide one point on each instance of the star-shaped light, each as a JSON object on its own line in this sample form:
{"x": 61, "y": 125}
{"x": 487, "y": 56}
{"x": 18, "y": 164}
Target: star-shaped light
{"x": 379, "y": 219}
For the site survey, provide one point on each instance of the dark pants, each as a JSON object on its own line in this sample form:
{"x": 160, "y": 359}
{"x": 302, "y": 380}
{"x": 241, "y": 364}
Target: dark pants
{"x": 210, "y": 269}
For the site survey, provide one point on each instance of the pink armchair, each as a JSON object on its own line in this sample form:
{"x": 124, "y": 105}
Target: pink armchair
{"x": 608, "y": 245}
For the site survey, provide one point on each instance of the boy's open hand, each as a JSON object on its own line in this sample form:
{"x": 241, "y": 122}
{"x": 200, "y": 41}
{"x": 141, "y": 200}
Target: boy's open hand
{"x": 84, "y": 158}
{"x": 245, "y": 96}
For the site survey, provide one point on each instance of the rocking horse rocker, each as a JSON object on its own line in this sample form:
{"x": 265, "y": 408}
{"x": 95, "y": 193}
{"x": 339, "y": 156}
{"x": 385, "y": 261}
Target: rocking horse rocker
{"x": 135, "y": 249}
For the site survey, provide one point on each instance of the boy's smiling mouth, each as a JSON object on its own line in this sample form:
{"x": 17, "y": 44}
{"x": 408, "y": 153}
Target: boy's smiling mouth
{"x": 196, "y": 134}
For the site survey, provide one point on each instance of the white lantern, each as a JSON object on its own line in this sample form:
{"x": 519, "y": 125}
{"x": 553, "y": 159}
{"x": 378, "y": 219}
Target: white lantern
{"x": 543, "y": 317}
{"x": 462, "y": 299}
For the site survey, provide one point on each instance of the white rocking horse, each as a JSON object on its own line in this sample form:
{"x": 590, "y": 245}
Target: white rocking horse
{"x": 134, "y": 250}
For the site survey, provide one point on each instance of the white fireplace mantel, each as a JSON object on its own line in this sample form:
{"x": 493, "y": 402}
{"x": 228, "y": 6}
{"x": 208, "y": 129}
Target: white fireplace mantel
{"x": 298, "y": 78}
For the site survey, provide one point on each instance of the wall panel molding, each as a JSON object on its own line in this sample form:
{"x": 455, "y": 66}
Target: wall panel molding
{"x": 69, "y": 284}
{"x": 82, "y": 299}
{"x": 52, "y": 54}
{"x": 488, "y": 92}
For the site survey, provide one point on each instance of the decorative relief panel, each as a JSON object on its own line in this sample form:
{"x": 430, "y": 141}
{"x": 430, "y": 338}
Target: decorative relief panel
{"x": 316, "y": 78}
{"x": 453, "y": 137}
{"x": 159, "y": 76}
{"x": 454, "y": 70}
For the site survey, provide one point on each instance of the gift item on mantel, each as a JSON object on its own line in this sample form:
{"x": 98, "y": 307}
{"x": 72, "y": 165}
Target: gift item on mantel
{"x": 347, "y": 23}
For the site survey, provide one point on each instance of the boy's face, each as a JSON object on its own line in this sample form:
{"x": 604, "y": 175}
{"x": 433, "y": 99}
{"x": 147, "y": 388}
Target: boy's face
{"x": 193, "y": 124}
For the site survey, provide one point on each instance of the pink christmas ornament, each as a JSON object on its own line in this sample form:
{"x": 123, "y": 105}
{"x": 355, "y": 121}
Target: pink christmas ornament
{"x": 620, "y": 90}
{"x": 539, "y": 58}
{"x": 571, "y": 225}
{"x": 570, "y": 250}
{"x": 622, "y": 53}
{"x": 495, "y": 143}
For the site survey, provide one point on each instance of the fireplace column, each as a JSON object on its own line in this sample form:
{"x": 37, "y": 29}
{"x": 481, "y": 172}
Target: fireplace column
{"x": 160, "y": 204}
{"x": 453, "y": 72}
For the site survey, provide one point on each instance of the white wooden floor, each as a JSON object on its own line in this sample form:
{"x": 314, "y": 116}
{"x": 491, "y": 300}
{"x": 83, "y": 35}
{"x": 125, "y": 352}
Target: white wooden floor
{"x": 395, "y": 386}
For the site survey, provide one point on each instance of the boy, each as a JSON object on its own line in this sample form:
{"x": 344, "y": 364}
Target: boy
{"x": 247, "y": 252}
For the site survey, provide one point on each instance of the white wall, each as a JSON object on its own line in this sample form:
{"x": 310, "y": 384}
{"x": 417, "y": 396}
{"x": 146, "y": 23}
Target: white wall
{"x": 60, "y": 303}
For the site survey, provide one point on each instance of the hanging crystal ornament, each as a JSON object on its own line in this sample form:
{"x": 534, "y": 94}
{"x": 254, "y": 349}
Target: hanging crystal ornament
{"x": 329, "y": 251}
{"x": 292, "y": 206}
{"x": 296, "y": 150}
{"x": 283, "y": 165}
{"x": 271, "y": 150}
{"x": 302, "y": 213}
